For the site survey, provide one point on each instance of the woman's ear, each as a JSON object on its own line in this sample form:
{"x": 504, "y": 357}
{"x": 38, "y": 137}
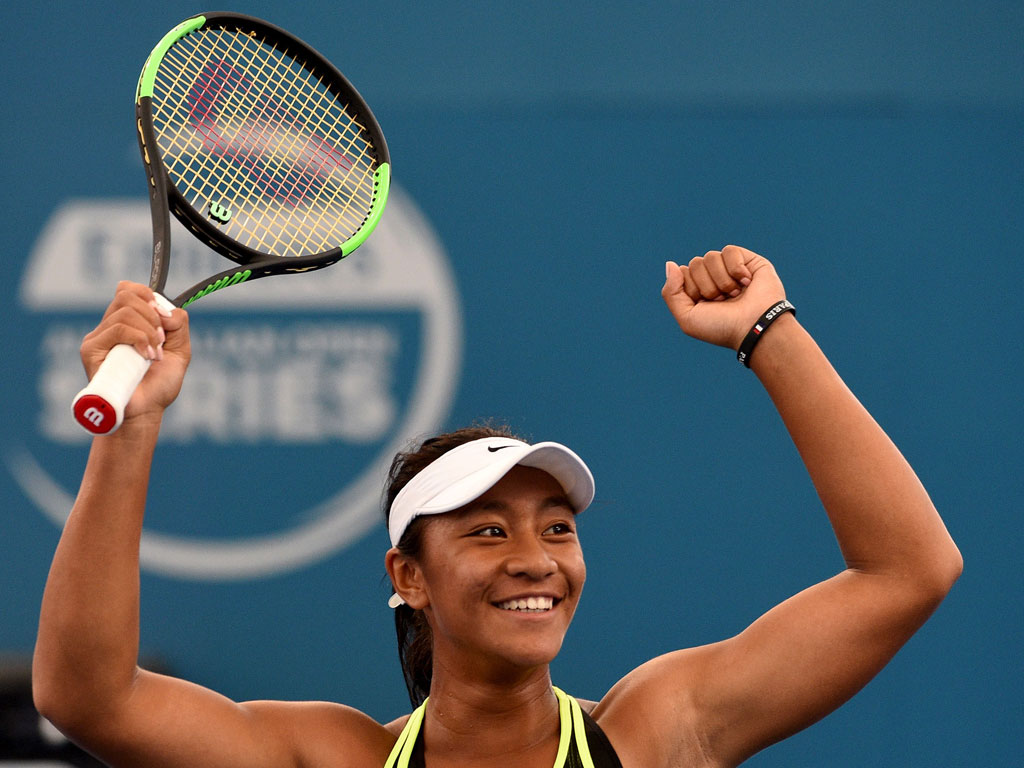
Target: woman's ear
{"x": 406, "y": 578}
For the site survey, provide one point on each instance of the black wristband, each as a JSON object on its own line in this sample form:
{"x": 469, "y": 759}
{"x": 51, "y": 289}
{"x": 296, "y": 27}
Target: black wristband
{"x": 754, "y": 335}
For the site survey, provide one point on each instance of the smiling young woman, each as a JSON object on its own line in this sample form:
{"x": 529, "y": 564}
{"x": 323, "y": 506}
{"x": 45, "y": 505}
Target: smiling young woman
{"x": 487, "y": 572}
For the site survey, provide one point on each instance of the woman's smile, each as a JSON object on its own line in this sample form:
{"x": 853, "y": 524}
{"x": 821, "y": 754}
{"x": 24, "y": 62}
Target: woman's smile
{"x": 539, "y": 604}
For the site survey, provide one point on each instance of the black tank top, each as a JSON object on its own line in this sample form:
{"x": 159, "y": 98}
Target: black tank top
{"x": 581, "y": 743}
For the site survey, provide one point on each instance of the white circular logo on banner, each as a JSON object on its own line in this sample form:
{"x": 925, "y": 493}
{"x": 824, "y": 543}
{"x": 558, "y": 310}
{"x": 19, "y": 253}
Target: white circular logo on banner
{"x": 312, "y": 381}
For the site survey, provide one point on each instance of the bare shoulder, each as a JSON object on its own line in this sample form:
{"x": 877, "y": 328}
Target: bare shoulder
{"x": 652, "y": 716}
{"x": 586, "y": 705}
{"x": 325, "y": 734}
{"x": 396, "y": 726}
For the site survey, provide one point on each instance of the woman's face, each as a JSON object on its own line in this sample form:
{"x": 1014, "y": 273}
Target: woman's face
{"x": 503, "y": 575}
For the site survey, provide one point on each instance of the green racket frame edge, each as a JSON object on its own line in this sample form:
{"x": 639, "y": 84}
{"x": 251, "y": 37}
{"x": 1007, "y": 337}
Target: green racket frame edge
{"x": 148, "y": 76}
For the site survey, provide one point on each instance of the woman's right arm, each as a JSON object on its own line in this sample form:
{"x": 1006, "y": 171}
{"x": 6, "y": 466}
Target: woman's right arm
{"x": 85, "y": 674}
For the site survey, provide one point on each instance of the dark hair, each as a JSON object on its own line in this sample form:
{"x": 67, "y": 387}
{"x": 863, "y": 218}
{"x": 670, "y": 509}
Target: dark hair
{"x": 415, "y": 647}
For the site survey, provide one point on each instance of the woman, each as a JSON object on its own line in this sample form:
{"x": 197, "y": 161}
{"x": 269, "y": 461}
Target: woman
{"x": 487, "y": 572}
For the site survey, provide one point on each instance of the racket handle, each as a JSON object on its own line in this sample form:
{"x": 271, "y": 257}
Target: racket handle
{"x": 99, "y": 408}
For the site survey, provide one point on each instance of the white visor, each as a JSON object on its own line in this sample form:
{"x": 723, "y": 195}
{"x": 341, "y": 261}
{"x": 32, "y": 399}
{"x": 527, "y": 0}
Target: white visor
{"x": 465, "y": 473}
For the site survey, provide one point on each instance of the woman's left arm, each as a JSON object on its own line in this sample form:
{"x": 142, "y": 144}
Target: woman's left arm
{"x": 809, "y": 654}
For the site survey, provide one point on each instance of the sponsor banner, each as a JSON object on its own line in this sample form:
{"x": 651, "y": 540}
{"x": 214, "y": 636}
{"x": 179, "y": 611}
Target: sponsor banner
{"x": 301, "y": 387}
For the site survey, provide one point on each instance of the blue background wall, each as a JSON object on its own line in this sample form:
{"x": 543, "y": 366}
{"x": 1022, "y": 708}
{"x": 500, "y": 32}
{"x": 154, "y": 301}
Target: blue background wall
{"x": 562, "y": 152}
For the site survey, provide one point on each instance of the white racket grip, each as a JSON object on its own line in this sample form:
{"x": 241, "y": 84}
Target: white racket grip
{"x": 99, "y": 408}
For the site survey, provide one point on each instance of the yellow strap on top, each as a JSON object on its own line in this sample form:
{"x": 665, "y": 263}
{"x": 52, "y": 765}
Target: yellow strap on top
{"x": 569, "y": 713}
{"x": 581, "y": 734}
{"x": 565, "y": 725}
{"x": 402, "y": 751}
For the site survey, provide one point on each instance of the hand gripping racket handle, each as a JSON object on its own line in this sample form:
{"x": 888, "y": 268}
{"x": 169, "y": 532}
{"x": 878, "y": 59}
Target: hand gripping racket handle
{"x": 100, "y": 406}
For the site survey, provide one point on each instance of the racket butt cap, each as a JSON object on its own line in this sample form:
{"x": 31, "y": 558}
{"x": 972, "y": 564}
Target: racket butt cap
{"x": 95, "y": 414}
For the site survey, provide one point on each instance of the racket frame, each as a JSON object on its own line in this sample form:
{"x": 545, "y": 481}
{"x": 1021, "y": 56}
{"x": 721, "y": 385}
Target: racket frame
{"x": 99, "y": 407}
{"x": 252, "y": 264}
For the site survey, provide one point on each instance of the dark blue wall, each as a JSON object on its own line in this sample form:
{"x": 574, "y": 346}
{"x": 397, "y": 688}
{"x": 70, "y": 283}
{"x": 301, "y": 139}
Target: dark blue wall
{"x": 871, "y": 150}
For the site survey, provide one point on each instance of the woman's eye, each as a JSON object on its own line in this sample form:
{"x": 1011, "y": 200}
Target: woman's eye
{"x": 490, "y": 530}
{"x": 559, "y": 528}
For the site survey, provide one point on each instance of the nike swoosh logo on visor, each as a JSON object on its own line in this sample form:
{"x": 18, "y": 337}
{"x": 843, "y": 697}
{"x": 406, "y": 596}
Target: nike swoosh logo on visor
{"x": 493, "y": 448}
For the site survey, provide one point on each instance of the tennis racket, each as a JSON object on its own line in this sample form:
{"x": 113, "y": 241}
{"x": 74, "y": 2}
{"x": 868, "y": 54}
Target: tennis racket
{"x": 263, "y": 150}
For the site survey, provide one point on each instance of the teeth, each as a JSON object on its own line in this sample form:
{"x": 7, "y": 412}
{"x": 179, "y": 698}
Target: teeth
{"x": 535, "y": 604}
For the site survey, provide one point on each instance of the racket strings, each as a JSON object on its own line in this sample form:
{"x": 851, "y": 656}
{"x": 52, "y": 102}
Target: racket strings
{"x": 283, "y": 189}
{"x": 243, "y": 125}
{"x": 253, "y": 135}
{"x": 273, "y": 119}
{"x": 276, "y": 118}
